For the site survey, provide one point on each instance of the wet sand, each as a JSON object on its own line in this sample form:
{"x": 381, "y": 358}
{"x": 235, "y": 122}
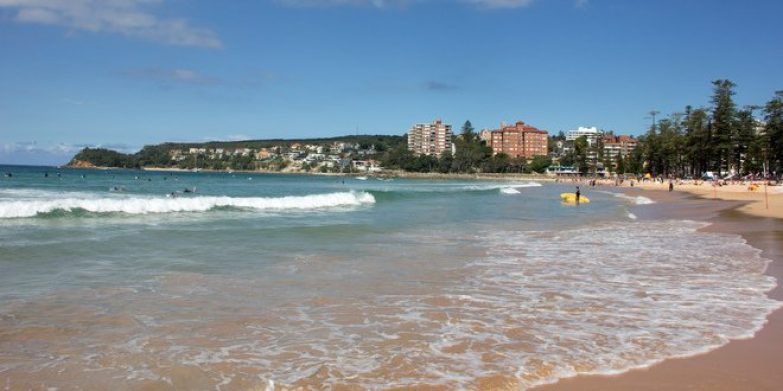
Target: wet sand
{"x": 750, "y": 364}
{"x": 758, "y": 200}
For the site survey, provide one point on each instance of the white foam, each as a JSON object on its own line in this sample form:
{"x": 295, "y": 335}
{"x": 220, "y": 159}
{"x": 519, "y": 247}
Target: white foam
{"x": 638, "y": 200}
{"x": 147, "y": 205}
{"x": 631, "y": 216}
{"x": 494, "y": 186}
{"x": 544, "y": 305}
{"x": 509, "y": 190}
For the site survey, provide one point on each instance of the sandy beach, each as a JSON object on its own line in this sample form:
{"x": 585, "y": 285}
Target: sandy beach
{"x": 757, "y": 199}
{"x": 750, "y": 364}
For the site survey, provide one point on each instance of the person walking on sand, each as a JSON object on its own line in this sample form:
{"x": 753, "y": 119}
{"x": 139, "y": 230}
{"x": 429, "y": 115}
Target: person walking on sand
{"x": 671, "y": 185}
{"x": 578, "y": 194}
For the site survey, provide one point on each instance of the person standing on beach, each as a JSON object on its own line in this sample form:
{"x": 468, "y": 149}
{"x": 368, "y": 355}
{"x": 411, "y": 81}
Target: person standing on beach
{"x": 671, "y": 185}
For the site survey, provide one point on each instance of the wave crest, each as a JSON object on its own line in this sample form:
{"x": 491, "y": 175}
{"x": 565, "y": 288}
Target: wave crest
{"x": 147, "y": 205}
{"x": 638, "y": 200}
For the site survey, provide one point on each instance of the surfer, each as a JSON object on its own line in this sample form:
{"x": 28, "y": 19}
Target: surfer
{"x": 578, "y": 194}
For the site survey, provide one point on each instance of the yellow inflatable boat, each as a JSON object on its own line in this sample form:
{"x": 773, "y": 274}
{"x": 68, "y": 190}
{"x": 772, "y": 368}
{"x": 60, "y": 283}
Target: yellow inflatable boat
{"x": 570, "y": 198}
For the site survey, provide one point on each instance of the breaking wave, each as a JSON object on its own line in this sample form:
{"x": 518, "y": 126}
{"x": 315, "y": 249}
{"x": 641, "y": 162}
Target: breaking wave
{"x": 500, "y": 186}
{"x": 638, "y": 200}
{"x": 146, "y": 205}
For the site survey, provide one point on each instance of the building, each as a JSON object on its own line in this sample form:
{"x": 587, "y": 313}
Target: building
{"x": 264, "y": 153}
{"x": 485, "y": 135}
{"x": 592, "y": 134}
{"x": 366, "y": 165}
{"x": 430, "y": 139}
{"x": 519, "y": 140}
{"x": 618, "y": 146}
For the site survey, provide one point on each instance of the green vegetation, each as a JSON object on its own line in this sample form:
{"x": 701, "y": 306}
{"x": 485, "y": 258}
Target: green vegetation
{"x": 472, "y": 155}
{"x": 104, "y": 158}
{"x": 161, "y": 155}
{"x": 721, "y": 139}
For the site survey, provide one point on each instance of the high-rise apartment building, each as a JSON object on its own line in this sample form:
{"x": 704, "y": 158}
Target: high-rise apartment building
{"x": 519, "y": 140}
{"x": 618, "y": 146}
{"x": 430, "y": 139}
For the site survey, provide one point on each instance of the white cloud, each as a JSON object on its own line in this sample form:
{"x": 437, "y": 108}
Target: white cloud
{"x": 30, "y": 152}
{"x": 401, "y": 3}
{"x": 172, "y": 76}
{"x": 339, "y": 3}
{"x": 485, "y": 4}
{"x": 127, "y": 17}
{"x": 500, "y": 3}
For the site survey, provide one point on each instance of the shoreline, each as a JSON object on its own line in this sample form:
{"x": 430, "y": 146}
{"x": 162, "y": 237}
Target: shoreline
{"x": 751, "y": 363}
{"x": 764, "y": 201}
{"x": 382, "y": 174}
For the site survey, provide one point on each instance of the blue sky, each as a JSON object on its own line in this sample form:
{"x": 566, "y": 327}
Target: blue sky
{"x": 124, "y": 73}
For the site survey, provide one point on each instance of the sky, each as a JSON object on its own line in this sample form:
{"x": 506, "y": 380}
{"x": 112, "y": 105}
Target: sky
{"x": 124, "y": 73}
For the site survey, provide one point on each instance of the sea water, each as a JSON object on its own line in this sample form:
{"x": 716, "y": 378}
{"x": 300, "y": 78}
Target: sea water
{"x": 133, "y": 279}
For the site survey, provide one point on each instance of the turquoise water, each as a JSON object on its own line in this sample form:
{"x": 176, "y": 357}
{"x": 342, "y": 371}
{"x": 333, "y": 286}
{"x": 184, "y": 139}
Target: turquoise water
{"x": 152, "y": 237}
{"x": 246, "y": 279}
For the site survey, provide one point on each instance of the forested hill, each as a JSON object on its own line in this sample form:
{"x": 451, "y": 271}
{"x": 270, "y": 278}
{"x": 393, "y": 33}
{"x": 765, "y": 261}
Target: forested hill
{"x": 160, "y": 155}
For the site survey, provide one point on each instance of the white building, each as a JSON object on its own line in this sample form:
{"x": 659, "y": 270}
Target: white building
{"x": 591, "y": 134}
{"x": 430, "y": 139}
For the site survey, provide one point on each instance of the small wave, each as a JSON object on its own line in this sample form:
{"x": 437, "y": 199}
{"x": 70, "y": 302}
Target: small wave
{"x": 147, "y": 205}
{"x": 638, "y": 200}
{"x": 499, "y": 186}
{"x": 509, "y": 190}
{"x": 631, "y": 216}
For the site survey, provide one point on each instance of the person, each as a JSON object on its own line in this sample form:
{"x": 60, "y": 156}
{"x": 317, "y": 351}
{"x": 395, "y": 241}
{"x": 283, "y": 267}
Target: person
{"x": 671, "y": 185}
{"x": 578, "y": 194}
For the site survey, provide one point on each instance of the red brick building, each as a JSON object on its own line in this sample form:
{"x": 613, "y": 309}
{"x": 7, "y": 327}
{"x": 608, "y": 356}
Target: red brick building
{"x": 519, "y": 140}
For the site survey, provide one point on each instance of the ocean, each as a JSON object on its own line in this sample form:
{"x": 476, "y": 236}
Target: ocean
{"x": 123, "y": 279}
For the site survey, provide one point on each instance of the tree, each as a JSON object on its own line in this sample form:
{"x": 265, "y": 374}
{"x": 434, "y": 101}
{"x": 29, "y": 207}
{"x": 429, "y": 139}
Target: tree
{"x": 445, "y": 162}
{"x": 746, "y": 134}
{"x": 598, "y": 152}
{"x": 467, "y": 134}
{"x": 620, "y": 164}
{"x": 635, "y": 163}
{"x": 651, "y": 152}
{"x": 723, "y": 124}
{"x": 102, "y": 157}
{"x": 580, "y": 154}
{"x": 698, "y": 143}
{"x": 540, "y": 163}
{"x": 773, "y": 131}
{"x": 471, "y": 152}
